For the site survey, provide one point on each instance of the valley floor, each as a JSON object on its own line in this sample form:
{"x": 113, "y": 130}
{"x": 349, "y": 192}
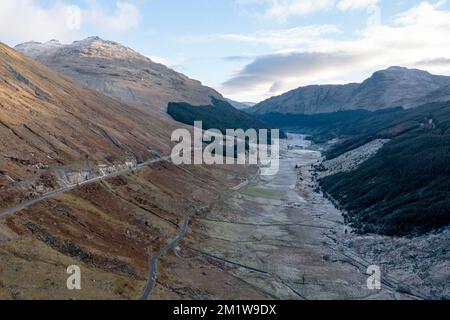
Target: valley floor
{"x": 282, "y": 238}
{"x": 249, "y": 237}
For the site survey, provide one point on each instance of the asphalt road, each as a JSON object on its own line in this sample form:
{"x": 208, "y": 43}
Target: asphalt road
{"x": 51, "y": 194}
{"x": 154, "y": 259}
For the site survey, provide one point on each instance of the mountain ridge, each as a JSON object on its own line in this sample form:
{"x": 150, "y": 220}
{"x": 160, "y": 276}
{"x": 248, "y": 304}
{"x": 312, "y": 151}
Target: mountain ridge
{"x": 389, "y": 88}
{"x": 119, "y": 72}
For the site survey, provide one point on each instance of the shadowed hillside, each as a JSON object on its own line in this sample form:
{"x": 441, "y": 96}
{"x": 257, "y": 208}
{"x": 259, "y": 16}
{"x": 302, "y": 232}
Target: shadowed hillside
{"x": 220, "y": 115}
{"x": 403, "y": 189}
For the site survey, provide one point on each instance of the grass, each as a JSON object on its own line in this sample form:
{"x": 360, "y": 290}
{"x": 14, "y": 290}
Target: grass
{"x": 263, "y": 193}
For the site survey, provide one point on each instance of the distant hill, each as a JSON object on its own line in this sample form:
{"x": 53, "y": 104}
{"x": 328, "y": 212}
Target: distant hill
{"x": 393, "y": 87}
{"x": 240, "y": 105}
{"x": 119, "y": 72}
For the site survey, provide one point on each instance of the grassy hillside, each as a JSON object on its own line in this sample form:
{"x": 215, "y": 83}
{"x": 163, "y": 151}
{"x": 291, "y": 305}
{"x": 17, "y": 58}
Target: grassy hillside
{"x": 220, "y": 115}
{"x": 51, "y": 121}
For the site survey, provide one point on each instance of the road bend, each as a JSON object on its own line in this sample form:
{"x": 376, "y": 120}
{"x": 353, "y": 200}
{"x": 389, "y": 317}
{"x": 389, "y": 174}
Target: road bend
{"x": 154, "y": 259}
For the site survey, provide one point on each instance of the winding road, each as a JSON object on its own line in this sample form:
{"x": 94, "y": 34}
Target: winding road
{"x": 53, "y": 193}
{"x": 154, "y": 259}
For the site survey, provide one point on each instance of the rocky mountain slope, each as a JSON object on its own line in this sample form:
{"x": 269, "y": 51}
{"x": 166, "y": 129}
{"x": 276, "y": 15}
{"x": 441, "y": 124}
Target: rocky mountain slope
{"x": 48, "y": 120}
{"x": 119, "y": 72}
{"x": 352, "y": 159}
{"x": 109, "y": 228}
{"x": 393, "y": 87}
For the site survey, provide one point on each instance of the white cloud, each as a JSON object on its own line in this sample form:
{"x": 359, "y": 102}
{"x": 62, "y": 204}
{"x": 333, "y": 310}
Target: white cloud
{"x": 417, "y": 38}
{"x": 281, "y": 10}
{"x": 345, "y": 5}
{"x": 279, "y": 39}
{"x": 284, "y": 38}
{"x": 125, "y": 17}
{"x": 25, "y": 20}
{"x": 275, "y": 72}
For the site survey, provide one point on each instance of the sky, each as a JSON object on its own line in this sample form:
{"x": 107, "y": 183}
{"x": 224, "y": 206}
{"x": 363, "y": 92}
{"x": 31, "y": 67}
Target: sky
{"x": 250, "y": 50}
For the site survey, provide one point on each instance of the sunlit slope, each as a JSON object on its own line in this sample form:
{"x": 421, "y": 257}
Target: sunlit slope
{"x": 49, "y": 120}
{"x": 120, "y": 72}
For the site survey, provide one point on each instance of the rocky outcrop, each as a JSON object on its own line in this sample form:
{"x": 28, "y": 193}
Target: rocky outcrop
{"x": 422, "y": 262}
{"x": 351, "y": 160}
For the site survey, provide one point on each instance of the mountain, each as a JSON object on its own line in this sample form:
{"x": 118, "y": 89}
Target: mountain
{"x": 240, "y": 105}
{"x": 53, "y": 130}
{"x": 48, "y": 120}
{"x": 401, "y": 189}
{"x": 122, "y": 73}
{"x": 119, "y": 72}
{"x": 393, "y": 87}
